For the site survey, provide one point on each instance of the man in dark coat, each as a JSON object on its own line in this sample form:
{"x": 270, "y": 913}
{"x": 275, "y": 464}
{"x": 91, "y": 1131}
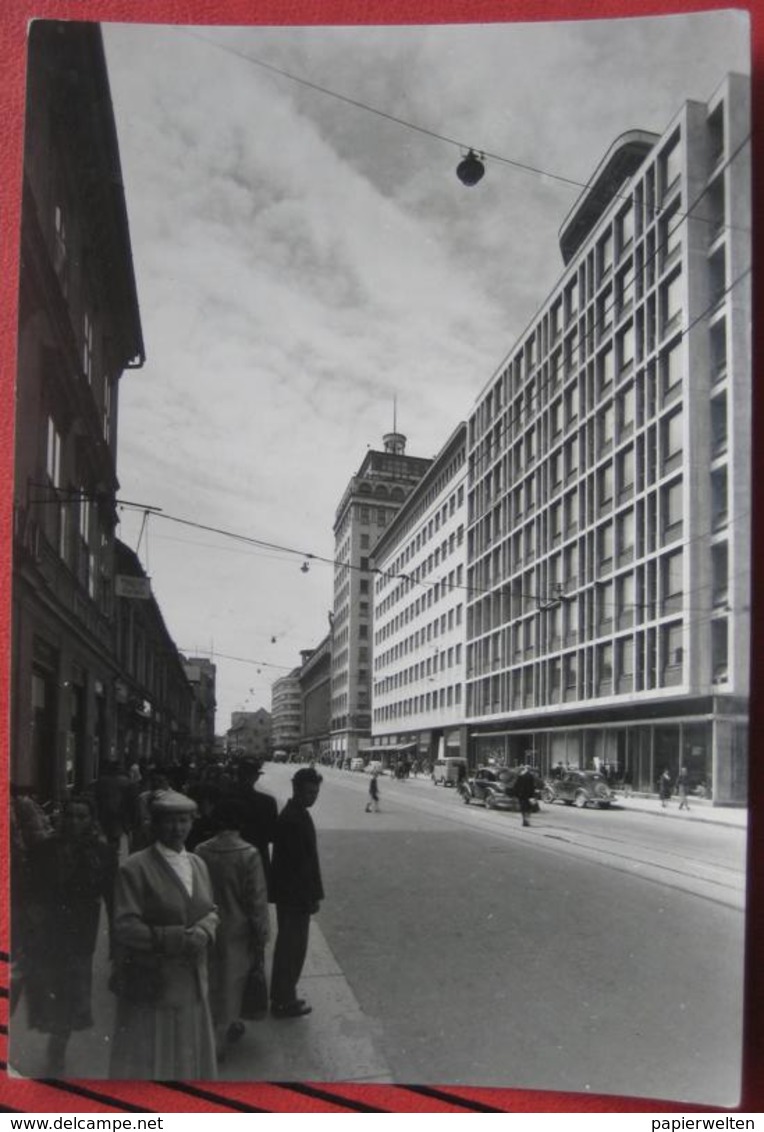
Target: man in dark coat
{"x": 525, "y": 789}
{"x": 296, "y": 890}
{"x": 260, "y": 812}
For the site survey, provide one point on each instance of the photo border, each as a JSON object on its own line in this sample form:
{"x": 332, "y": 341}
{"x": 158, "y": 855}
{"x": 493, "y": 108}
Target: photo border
{"x": 219, "y": 1097}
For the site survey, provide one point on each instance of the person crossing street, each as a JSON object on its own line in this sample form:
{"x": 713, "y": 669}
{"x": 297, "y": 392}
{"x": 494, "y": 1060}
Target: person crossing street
{"x": 373, "y": 802}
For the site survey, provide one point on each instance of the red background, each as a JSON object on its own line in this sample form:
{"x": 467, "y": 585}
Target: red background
{"x": 47, "y": 1096}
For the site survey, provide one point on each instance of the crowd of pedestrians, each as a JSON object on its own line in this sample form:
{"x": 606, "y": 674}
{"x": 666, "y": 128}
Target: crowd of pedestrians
{"x": 184, "y": 866}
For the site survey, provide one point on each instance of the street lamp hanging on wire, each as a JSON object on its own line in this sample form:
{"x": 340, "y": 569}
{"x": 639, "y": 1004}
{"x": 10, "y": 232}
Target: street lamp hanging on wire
{"x": 470, "y": 169}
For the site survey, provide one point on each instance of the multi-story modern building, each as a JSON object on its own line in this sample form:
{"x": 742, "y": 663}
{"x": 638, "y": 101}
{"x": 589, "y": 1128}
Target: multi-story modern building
{"x": 315, "y": 702}
{"x": 373, "y": 496}
{"x": 608, "y": 510}
{"x": 418, "y": 710}
{"x": 79, "y": 330}
{"x": 286, "y": 713}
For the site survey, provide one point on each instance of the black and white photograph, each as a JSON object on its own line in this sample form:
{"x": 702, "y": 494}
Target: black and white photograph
{"x": 381, "y": 556}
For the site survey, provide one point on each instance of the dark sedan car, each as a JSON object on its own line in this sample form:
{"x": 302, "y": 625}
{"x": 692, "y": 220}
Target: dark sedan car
{"x": 578, "y": 788}
{"x": 494, "y": 787}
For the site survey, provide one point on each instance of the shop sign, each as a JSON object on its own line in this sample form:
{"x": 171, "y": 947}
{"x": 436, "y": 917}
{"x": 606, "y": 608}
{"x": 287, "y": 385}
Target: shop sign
{"x": 138, "y": 589}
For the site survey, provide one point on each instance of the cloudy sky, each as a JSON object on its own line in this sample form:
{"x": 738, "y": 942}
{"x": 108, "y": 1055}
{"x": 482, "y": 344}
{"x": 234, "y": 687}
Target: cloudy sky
{"x": 302, "y": 261}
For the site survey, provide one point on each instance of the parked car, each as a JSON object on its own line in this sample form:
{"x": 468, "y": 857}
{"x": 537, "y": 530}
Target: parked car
{"x": 494, "y": 787}
{"x": 374, "y": 767}
{"x": 578, "y": 788}
{"x": 356, "y": 763}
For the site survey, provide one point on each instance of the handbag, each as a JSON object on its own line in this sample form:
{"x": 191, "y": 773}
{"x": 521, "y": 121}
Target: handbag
{"x": 254, "y": 999}
{"x": 138, "y": 977}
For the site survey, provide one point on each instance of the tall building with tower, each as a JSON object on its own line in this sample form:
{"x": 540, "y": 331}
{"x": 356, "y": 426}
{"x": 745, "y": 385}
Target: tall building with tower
{"x": 371, "y": 499}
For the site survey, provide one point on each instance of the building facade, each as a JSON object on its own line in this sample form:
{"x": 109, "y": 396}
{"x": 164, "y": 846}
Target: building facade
{"x": 155, "y": 701}
{"x": 315, "y": 702}
{"x": 418, "y": 709}
{"x": 79, "y": 330}
{"x": 609, "y": 462}
{"x": 249, "y": 734}
{"x": 202, "y": 676}
{"x": 373, "y": 496}
{"x": 286, "y": 713}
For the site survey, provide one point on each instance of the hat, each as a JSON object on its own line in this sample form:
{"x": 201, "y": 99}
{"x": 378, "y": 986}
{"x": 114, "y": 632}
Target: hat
{"x": 307, "y": 774}
{"x": 171, "y": 802}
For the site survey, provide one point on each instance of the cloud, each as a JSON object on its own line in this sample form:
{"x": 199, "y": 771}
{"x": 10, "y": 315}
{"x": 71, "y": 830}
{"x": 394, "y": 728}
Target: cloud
{"x": 301, "y": 261}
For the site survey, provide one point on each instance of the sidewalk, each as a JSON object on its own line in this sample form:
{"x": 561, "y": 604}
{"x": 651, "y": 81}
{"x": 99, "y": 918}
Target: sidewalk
{"x": 337, "y": 1042}
{"x": 700, "y": 810}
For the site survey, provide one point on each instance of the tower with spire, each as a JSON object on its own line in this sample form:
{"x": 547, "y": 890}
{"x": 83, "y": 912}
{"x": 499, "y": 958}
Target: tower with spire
{"x": 371, "y": 499}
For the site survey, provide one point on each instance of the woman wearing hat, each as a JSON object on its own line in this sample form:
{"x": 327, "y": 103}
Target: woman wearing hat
{"x": 164, "y": 925}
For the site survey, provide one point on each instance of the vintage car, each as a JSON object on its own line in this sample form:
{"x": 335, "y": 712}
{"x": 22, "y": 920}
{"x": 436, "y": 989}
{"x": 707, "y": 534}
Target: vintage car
{"x": 578, "y": 788}
{"x": 494, "y": 787}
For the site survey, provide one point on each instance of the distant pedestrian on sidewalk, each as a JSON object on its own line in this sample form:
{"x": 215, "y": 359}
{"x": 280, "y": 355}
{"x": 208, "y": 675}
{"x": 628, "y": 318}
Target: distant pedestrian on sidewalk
{"x": 628, "y": 782}
{"x": 525, "y": 789}
{"x": 682, "y": 788}
{"x": 664, "y": 788}
{"x": 373, "y": 802}
{"x": 297, "y": 892}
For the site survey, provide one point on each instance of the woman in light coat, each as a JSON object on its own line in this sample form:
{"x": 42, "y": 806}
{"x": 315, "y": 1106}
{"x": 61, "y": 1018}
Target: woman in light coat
{"x": 164, "y": 926}
{"x": 240, "y": 893}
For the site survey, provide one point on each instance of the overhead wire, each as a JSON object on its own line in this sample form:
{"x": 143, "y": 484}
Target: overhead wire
{"x": 387, "y": 116}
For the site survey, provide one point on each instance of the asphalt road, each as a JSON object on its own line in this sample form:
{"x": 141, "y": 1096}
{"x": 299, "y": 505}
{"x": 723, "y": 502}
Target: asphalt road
{"x": 595, "y": 951}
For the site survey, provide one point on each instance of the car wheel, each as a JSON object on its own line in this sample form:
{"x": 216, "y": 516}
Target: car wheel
{"x": 547, "y": 795}
{"x": 580, "y": 799}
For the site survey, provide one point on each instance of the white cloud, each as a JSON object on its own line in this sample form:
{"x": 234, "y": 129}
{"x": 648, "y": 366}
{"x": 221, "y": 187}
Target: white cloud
{"x": 301, "y": 261}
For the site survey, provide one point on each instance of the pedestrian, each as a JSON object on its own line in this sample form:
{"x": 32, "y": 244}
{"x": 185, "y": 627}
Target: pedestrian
{"x": 664, "y": 788}
{"x": 296, "y": 891}
{"x": 164, "y": 925}
{"x": 373, "y": 802}
{"x": 70, "y": 878}
{"x": 141, "y": 832}
{"x": 29, "y": 826}
{"x": 525, "y": 790}
{"x": 241, "y": 898}
{"x": 260, "y": 812}
{"x": 628, "y": 782}
{"x": 115, "y": 798}
{"x": 683, "y": 787}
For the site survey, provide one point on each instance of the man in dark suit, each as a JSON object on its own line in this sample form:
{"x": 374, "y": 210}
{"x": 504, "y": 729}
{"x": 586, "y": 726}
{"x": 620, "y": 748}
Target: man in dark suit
{"x": 260, "y": 812}
{"x": 296, "y": 890}
{"x": 525, "y": 790}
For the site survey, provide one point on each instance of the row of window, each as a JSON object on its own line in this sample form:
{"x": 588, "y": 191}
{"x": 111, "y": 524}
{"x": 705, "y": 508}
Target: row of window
{"x": 424, "y": 635}
{"x": 450, "y": 696}
{"x": 422, "y": 670}
{"x": 641, "y": 661}
{"x": 437, "y": 590}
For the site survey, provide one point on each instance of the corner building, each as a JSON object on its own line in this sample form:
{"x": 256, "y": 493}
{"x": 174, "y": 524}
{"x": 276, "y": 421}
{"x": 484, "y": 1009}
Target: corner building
{"x": 419, "y": 623}
{"x": 609, "y": 470}
{"x": 371, "y": 499}
{"x": 286, "y": 713}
